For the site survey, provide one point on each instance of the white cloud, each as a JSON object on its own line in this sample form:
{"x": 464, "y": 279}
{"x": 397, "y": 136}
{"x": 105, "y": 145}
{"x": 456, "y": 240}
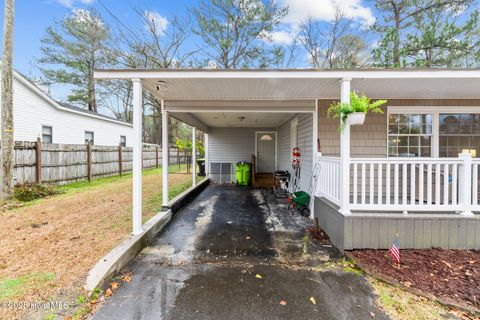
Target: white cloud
{"x": 324, "y": 10}
{"x": 281, "y": 37}
{"x": 159, "y": 21}
{"x": 71, "y": 3}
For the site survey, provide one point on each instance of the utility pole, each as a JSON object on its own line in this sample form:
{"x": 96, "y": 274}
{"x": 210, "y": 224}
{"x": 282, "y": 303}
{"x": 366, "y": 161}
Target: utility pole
{"x": 6, "y": 156}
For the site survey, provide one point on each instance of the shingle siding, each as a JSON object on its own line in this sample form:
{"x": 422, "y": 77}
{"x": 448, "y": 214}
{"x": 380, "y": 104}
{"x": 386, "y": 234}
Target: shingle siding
{"x": 370, "y": 139}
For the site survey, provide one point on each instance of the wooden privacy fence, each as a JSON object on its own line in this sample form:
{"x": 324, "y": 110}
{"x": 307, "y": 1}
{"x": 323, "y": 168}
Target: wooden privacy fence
{"x": 37, "y": 162}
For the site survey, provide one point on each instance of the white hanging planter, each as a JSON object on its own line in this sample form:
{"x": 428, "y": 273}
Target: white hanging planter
{"x": 356, "y": 118}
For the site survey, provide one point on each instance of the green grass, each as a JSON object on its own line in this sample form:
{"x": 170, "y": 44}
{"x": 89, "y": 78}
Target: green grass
{"x": 99, "y": 182}
{"x": 14, "y": 287}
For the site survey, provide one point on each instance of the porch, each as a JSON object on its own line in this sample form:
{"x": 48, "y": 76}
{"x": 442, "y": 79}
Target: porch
{"x": 363, "y": 176}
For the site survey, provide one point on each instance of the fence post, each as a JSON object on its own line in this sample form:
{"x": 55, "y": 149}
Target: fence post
{"x": 156, "y": 157}
{"x": 120, "y": 160}
{"x": 465, "y": 184}
{"x": 38, "y": 160}
{"x": 89, "y": 162}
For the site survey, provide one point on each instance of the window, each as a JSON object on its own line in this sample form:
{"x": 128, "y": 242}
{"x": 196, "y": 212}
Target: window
{"x": 47, "y": 134}
{"x": 409, "y": 135}
{"x": 89, "y": 137}
{"x": 266, "y": 137}
{"x": 459, "y": 133}
{"x": 123, "y": 141}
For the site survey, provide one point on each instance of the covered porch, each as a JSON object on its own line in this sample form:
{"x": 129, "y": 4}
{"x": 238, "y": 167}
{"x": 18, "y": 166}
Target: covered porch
{"x": 364, "y": 174}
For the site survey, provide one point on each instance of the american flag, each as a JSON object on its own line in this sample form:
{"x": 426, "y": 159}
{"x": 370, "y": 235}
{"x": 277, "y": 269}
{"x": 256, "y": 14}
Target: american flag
{"x": 395, "y": 250}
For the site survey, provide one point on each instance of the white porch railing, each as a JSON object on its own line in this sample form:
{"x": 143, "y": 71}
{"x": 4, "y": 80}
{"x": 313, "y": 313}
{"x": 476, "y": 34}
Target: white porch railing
{"x": 403, "y": 184}
{"x": 475, "y": 185}
{"x": 328, "y": 184}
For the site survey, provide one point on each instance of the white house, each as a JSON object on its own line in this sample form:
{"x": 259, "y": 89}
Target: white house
{"x": 36, "y": 115}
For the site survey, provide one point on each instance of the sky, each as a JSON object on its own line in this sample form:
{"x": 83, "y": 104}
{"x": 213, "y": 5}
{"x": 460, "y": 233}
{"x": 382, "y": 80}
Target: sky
{"x": 32, "y": 17}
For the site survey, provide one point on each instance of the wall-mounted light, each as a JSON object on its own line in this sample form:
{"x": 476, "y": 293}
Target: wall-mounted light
{"x": 241, "y": 118}
{"x": 161, "y": 85}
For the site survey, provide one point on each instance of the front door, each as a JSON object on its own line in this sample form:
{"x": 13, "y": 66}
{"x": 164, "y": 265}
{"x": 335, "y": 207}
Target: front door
{"x": 266, "y": 142}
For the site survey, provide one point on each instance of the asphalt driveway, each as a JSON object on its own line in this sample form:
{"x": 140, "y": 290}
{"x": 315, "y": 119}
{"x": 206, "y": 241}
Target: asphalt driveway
{"x": 237, "y": 254}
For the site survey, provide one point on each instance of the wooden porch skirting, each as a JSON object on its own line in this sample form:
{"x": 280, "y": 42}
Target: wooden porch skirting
{"x": 415, "y": 230}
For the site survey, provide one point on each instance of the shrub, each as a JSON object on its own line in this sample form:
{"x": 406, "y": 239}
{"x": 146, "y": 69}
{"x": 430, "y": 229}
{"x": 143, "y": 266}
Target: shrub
{"x": 30, "y": 191}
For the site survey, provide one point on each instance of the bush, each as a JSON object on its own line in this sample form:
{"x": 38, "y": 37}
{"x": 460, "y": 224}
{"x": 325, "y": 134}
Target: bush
{"x": 30, "y": 191}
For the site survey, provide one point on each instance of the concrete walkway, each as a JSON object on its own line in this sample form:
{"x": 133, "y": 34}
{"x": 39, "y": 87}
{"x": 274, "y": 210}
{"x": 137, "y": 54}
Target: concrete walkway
{"x": 205, "y": 266}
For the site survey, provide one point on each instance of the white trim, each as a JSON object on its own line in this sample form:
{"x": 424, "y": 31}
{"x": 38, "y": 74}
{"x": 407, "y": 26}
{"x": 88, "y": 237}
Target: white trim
{"x": 435, "y": 111}
{"x": 137, "y": 165}
{"x": 165, "y": 150}
{"x": 256, "y": 147}
{"x": 287, "y": 74}
{"x": 56, "y": 105}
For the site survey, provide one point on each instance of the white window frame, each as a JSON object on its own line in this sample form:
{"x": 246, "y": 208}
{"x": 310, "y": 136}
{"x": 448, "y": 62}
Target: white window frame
{"x": 93, "y": 136}
{"x": 435, "y": 111}
{"x": 125, "y": 142}
{"x": 51, "y": 131}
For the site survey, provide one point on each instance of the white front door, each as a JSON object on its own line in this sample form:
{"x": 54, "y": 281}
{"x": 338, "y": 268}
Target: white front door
{"x": 266, "y": 149}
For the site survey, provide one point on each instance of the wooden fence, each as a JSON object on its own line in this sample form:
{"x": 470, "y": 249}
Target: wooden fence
{"x": 37, "y": 162}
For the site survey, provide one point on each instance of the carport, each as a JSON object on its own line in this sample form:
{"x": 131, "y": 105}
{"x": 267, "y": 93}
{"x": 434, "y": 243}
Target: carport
{"x": 211, "y": 101}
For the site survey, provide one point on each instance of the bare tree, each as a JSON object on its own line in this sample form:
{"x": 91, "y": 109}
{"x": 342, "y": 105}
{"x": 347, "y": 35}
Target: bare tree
{"x": 6, "y": 160}
{"x": 335, "y": 44}
{"x": 235, "y": 31}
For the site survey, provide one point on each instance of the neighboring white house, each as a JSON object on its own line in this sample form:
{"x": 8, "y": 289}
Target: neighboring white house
{"x": 36, "y": 115}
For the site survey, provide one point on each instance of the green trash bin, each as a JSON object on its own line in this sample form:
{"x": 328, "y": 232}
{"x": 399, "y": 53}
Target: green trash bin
{"x": 243, "y": 173}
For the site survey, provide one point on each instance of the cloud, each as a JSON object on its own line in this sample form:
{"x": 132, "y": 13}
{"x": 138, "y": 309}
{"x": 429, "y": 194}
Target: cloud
{"x": 281, "y": 37}
{"x": 159, "y": 21}
{"x": 324, "y": 10}
{"x": 71, "y": 3}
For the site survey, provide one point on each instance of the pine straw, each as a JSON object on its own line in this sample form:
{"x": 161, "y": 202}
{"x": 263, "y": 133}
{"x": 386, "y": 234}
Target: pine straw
{"x": 66, "y": 235}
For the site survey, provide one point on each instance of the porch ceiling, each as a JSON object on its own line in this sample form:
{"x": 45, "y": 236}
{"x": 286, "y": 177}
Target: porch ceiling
{"x": 302, "y": 84}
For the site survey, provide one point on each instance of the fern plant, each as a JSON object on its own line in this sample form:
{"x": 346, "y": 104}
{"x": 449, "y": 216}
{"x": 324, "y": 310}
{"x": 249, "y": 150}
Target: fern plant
{"x": 357, "y": 103}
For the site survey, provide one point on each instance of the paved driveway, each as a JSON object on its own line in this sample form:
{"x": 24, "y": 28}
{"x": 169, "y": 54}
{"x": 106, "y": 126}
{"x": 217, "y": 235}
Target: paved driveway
{"x": 205, "y": 266}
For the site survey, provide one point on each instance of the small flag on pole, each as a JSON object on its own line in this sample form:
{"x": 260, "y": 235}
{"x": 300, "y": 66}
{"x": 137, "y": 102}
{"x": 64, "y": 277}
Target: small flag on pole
{"x": 395, "y": 250}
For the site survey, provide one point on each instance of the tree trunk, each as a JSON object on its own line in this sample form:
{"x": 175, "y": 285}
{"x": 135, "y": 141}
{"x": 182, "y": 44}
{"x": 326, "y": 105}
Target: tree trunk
{"x": 396, "y": 41}
{"x": 92, "y": 101}
{"x": 6, "y": 160}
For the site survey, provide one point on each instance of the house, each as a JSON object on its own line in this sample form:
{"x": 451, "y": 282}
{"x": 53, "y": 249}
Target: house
{"x": 36, "y": 115}
{"x": 411, "y": 171}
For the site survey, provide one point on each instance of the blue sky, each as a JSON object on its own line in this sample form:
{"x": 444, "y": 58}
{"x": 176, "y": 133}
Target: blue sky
{"x": 32, "y": 17}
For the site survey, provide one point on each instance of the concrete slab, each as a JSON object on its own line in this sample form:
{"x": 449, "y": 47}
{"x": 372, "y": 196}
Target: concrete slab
{"x": 204, "y": 265}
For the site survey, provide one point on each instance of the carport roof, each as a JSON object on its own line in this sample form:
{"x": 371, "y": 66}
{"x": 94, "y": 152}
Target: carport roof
{"x": 302, "y": 84}
{"x": 189, "y": 92}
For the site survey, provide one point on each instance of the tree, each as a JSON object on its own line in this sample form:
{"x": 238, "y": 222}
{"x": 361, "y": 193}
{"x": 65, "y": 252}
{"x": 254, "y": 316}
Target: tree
{"x": 236, "y": 31}
{"x": 334, "y": 44}
{"x": 6, "y": 160}
{"x": 72, "y": 49}
{"x": 439, "y": 40}
{"x": 396, "y": 22}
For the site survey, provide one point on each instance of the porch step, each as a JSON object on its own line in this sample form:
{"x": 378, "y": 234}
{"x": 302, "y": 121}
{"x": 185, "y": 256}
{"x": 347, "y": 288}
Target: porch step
{"x": 263, "y": 180}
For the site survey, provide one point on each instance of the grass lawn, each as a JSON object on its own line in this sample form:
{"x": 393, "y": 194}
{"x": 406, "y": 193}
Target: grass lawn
{"x": 48, "y": 246}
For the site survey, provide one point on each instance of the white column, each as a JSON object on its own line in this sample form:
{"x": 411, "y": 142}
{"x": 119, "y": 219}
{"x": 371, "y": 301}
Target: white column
{"x": 345, "y": 152}
{"x": 314, "y": 155}
{"x": 205, "y": 141}
{"x": 194, "y": 156}
{"x": 164, "y": 155}
{"x": 137, "y": 156}
{"x": 465, "y": 184}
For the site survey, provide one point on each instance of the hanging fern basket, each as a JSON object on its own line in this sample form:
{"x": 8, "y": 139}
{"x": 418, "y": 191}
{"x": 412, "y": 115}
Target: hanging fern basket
{"x": 356, "y": 118}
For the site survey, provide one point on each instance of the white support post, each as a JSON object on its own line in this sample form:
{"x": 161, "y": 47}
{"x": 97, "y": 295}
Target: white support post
{"x": 465, "y": 184}
{"x": 137, "y": 156}
{"x": 314, "y": 155}
{"x": 205, "y": 141}
{"x": 164, "y": 155}
{"x": 194, "y": 156}
{"x": 345, "y": 152}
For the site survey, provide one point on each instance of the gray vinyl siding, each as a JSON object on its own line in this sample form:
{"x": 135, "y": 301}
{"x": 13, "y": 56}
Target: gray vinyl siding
{"x": 305, "y": 133}
{"x": 232, "y": 145}
{"x": 284, "y": 160}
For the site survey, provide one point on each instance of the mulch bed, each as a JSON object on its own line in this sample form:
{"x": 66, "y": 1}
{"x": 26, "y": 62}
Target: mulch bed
{"x": 450, "y": 274}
